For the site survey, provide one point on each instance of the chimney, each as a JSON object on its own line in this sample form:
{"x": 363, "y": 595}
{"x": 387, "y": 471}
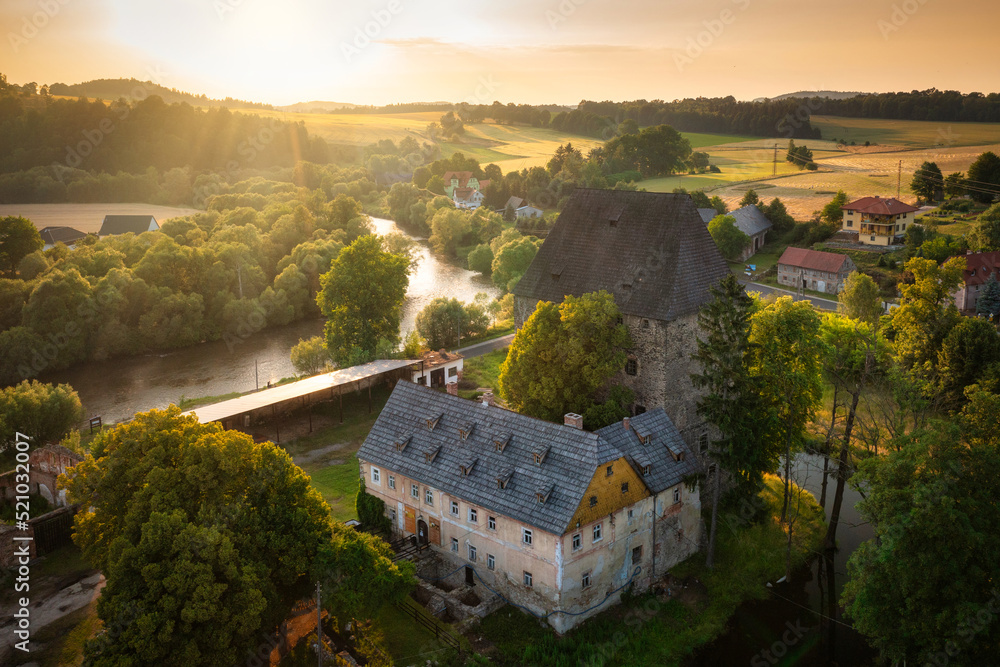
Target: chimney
{"x": 574, "y": 420}
{"x": 487, "y": 398}
{"x": 625, "y": 423}
{"x": 452, "y": 388}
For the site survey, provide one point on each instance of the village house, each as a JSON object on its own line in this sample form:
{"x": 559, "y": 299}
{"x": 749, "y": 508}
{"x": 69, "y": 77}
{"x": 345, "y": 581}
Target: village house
{"x": 814, "y": 270}
{"x": 521, "y": 209}
{"x": 877, "y": 220}
{"x": 654, "y": 255}
{"x": 467, "y": 198}
{"x": 124, "y": 224}
{"x": 553, "y": 517}
{"x": 65, "y": 235}
{"x": 749, "y": 220}
{"x": 462, "y": 179}
{"x": 979, "y": 266}
{"x": 437, "y": 369}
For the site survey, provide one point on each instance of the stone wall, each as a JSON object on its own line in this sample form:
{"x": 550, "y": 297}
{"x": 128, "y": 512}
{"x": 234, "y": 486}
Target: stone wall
{"x": 45, "y": 465}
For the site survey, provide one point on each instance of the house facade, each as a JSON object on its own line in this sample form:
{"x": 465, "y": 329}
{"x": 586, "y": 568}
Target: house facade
{"x": 979, "y": 266}
{"x": 467, "y": 198}
{"x": 749, "y": 220}
{"x": 814, "y": 270}
{"x": 462, "y": 179}
{"x": 553, "y": 517}
{"x": 527, "y": 212}
{"x": 654, "y": 255}
{"x": 437, "y": 369}
{"x": 878, "y": 220}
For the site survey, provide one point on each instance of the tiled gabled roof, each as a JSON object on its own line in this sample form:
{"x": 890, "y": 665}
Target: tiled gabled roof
{"x": 660, "y": 453}
{"x": 979, "y": 266}
{"x": 880, "y": 206}
{"x": 750, "y": 220}
{"x": 123, "y": 224}
{"x": 67, "y": 235}
{"x": 570, "y": 456}
{"x": 650, "y": 250}
{"x": 813, "y": 260}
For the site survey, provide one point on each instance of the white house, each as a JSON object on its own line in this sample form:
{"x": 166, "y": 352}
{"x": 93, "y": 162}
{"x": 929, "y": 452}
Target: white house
{"x": 437, "y": 369}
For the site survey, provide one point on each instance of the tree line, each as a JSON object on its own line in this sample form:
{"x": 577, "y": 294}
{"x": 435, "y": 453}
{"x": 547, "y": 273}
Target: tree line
{"x": 929, "y": 105}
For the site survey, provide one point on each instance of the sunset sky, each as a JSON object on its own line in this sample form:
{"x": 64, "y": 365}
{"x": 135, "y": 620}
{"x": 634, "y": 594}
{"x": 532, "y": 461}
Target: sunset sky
{"x": 533, "y": 51}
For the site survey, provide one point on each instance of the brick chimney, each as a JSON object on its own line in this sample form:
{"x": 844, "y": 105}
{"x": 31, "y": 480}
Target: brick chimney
{"x": 452, "y": 388}
{"x": 574, "y": 420}
{"x": 487, "y": 399}
{"x": 625, "y": 423}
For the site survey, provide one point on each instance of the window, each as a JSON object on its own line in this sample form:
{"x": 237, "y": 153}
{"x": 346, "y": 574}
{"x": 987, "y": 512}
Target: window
{"x": 637, "y": 555}
{"x": 526, "y": 536}
{"x": 454, "y": 544}
{"x": 491, "y": 523}
{"x": 850, "y": 223}
{"x": 585, "y": 580}
{"x": 392, "y": 515}
{"x": 454, "y": 508}
{"x": 703, "y": 443}
{"x": 491, "y": 562}
{"x": 472, "y": 553}
{"x": 473, "y": 515}
{"x": 631, "y": 367}
{"x": 452, "y": 372}
{"x": 624, "y": 487}
{"x": 392, "y": 482}
{"x": 610, "y": 471}
{"x": 593, "y": 501}
{"x": 576, "y": 541}
{"x": 429, "y": 497}
{"x": 873, "y": 238}
{"x": 645, "y": 470}
{"x": 376, "y": 476}
{"x": 677, "y": 494}
{"x": 527, "y": 579}
{"x": 414, "y": 490}
{"x": 645, "y": 324}
{"x": 630, "y": 514}
{"x": 597, "y": 533}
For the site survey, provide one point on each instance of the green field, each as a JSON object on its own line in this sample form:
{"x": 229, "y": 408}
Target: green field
{"x": 910, "y": 133}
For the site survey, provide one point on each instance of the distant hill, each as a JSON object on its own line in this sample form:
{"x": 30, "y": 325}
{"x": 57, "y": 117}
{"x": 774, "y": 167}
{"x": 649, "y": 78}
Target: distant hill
{"x": 310, "y": 107}
{"x": 829, "y": 94}
{"x": 133, "y": 89}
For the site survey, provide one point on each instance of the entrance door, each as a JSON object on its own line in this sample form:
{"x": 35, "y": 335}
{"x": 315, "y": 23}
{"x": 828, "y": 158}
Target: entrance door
{"x": 422, "y": 533}
{"x": 410, "y": 520}
{"x": 435, "y": 533}
{"x": 821, "y": 286}
{"x": 469, "y": 579}
{"x": 437, "y": 378}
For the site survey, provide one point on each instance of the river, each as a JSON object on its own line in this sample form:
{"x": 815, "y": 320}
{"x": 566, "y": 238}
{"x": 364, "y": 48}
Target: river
{"x": 117, "y": 389}
{"x": 801, "y": 623}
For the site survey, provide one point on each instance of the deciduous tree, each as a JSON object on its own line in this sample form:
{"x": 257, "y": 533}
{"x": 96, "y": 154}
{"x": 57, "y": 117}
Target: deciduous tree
{"x": 728, "y": 237}
{"x": 18, "y": 239}
{"x": 861, "y": 299}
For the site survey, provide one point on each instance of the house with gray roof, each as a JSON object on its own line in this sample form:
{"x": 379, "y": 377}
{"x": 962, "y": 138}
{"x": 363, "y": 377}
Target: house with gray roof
{"x": 556, "y": 518}
{"x": 123, "y": 224}
{"x": 653, "y": 253}
{"x": 749, "y": 220}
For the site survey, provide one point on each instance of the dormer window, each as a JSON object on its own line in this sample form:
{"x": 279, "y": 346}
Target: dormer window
{"x": 431, "y": 454}
{"x": 465, "y": 431}
{"x": 504, "y": 479}
{"x": 539, "y": 456}
{"x": 433, "y": 420}
{"x": 543, "y": 496}
{"x": 401, "y": 444}
{"x": 501, "y": 441}
{"x": 645, "y": 469}
{"x": 467, "y": 467}
{"x": 593, "y": 501}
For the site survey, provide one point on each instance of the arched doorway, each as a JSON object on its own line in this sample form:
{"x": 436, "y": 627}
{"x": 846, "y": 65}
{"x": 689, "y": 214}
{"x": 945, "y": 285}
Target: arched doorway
{"x": 421, "y": 533}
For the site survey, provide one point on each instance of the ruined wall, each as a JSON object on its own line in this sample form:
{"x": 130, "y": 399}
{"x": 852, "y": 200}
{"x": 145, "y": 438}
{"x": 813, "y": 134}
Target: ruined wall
{"x": 45, "y": 466}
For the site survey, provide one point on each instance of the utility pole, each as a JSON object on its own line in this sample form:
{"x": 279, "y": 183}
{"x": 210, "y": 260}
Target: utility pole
{"x": 899, "y": 180}
{"x": 319, "y": 627}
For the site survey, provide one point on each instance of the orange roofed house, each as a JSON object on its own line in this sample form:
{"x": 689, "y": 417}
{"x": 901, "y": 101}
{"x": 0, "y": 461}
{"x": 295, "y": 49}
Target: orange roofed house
{"x": 814, "y": 270}
{"x": 979, "y": 266}
{"x": 878, "y": 221}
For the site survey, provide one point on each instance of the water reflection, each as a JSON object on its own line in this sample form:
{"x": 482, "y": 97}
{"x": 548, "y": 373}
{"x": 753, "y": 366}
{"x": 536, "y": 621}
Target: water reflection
{"x": 119, "y": 388}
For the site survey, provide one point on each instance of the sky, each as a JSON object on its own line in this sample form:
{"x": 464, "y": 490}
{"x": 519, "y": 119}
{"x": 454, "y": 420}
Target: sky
{"x": 522, "y": 51}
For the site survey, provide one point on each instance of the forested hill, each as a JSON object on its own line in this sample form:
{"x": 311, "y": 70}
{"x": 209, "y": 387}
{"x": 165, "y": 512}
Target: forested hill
{"x": 134, "y": 90}
{"x": 131, "y": 137}
{"x": 932, "y": 105}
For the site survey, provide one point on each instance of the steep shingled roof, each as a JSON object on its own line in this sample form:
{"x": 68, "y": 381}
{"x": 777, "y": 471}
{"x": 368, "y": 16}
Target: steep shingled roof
{"x": 979, "y": 266}
{"x": 750, "y": 220}
{"x": 435, "y": 456}
{"x": 123, "y": 224}
{"x": 650, "y": 250}
{"x": 67, "y": 235}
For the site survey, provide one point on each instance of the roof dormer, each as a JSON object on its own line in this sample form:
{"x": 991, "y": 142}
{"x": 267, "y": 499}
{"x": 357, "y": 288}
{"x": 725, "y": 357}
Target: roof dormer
{"x": 539, "y": 455}
{"x": 431, "y": 454}
{"x": 433, "y": 420}
{"x": 501, "y": 441}
{"x": 504, "y": 477}
{"x": 403, "y": 442}
{"x": 466, "y": 430}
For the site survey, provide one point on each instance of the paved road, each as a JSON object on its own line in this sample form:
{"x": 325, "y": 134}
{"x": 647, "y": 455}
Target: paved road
{"x": 823, "y": 304}
{"x": 480, "y": 349}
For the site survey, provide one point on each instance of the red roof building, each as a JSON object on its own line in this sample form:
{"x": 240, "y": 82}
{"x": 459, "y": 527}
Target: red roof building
{"x": 979, "y": 266}
{"x": 814, "y": 270}
{"x": 877, "y": 220}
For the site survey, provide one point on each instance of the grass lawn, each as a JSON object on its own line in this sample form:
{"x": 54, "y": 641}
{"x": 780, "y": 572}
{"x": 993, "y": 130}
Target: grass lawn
{"x": 907, "y": 132}
{"x": 408, "y": 642}
{"x": 338, "y": 484}
{"x": 482, "y": 371}
{"x": 658, "y": 632}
